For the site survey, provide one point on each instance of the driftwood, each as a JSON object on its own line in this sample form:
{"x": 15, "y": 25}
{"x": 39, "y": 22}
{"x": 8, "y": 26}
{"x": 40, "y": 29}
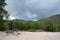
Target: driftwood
{"x": 18, "y": 34}
{"x": 12, "y": 32}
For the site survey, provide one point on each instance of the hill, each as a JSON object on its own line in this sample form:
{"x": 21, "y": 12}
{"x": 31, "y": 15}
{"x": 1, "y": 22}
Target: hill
{"x": 54, "y": 18}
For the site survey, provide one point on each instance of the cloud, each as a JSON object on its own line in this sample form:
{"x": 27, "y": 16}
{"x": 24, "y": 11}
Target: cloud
{"x": 11, "y": 18}
{"x": 38, "y": 4}
{"x": 32, "y": 9}
{"x": 29, "y": 15}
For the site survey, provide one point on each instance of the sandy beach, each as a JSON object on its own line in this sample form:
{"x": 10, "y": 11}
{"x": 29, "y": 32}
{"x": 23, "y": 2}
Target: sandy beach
{"x": 31, "y": 36}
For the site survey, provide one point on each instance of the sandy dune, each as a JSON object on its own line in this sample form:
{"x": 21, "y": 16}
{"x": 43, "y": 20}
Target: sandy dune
{"x": 31, "y": 36}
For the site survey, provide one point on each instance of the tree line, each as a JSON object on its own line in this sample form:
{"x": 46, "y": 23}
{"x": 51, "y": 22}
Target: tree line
{"x": 47, "y": 25}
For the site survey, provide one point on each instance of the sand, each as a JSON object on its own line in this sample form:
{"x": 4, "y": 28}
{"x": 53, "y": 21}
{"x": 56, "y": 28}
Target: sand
{"x": 31, "y": 36}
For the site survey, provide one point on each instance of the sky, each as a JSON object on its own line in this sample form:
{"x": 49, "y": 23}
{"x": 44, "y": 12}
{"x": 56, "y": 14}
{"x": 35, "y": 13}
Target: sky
{"x": 32, "y": 9}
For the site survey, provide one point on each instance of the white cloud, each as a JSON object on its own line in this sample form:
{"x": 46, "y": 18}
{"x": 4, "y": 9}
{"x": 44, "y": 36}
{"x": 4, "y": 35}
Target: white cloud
{"x": 11, "y": 17}
{"x": 35, "y": 20}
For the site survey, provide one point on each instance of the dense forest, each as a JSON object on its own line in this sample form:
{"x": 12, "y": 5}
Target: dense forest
{"x": 38, "y": 26}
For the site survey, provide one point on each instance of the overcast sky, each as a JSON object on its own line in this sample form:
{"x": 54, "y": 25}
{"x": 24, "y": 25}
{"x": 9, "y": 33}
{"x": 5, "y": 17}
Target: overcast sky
{"x": 32, "y": 9}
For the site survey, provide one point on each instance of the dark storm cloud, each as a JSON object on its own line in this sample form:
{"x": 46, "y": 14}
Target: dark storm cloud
{"x": 32, "y": 9}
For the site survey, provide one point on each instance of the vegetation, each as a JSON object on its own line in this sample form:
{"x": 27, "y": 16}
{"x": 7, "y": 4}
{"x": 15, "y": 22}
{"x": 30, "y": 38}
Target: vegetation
{"x": 33, "y": 26}
{"x": 3, "y": 13}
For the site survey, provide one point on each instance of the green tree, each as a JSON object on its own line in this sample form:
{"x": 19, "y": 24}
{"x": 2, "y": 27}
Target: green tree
{"x": 51, "y": 26}
{"x": 3, "y": 12}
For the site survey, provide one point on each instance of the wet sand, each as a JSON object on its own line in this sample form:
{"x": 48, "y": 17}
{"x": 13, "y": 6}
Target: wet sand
{"x": 31, "y": 36}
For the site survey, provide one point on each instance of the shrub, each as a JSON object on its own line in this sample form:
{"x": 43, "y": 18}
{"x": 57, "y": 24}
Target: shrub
{"x": 39, "y": 30}
{"x": 31, "y": 30}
